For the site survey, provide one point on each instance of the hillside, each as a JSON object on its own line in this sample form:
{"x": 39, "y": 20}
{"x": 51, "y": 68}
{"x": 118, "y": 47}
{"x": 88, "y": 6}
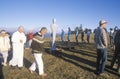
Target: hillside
{"x": 75, "y": 63}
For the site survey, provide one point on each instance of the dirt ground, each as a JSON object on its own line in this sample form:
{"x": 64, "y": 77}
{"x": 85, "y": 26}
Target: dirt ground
{"x": 70, "y": 61}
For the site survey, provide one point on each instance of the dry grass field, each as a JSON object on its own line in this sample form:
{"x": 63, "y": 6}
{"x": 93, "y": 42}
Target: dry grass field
{"x": 75, "y": 63}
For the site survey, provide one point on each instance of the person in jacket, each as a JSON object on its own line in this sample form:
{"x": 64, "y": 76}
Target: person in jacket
{"x": 38, "y": 49}
{"x": 115, "y": 51}
{"x": 88, "y": 36}
{"x": 18, "y": 40}
{"x": 116, "y": 54}
{"x": 62, "y": 36}
{"x": 4, "y": 46}
{"x": 76, "y": 36}
{"x": 30, "y": 38}
{"x": 82, "y": 36}
{"x": 69, "y": 34}
{"x": 100, "y": 39}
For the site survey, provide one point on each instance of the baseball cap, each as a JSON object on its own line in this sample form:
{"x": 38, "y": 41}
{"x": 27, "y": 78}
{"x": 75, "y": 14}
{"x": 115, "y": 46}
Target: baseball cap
{"x": 103, "y": 22}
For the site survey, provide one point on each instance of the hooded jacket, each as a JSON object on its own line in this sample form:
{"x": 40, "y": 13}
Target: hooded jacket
{"x": 4, "y": 43}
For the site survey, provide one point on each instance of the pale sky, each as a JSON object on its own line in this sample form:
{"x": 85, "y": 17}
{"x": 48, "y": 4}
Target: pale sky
{"x": 34, "y": 14}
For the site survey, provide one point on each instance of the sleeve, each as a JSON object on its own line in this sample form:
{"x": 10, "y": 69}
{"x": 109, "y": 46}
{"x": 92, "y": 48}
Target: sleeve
{"x": 15, "y": 38}
{"x": 104, "y": 37}
{"x": 0, "y": 44}
{"x": 32, "y": 44}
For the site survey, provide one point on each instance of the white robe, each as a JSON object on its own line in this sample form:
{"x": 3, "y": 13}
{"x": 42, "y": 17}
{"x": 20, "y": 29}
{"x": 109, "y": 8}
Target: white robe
{"x": 18, "y": 49}
{"x": 54, "y": 29}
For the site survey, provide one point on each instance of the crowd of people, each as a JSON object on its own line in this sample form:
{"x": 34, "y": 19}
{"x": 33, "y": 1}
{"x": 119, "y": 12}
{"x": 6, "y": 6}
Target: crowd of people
{"x": 76, "y": 32}
{"x": 101, "y": 43}
{"x": 36, "y": 41}
{"x": 18, "y": 41}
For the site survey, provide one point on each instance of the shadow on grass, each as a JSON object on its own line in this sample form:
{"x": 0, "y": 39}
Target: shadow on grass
{"x": 72, "y": 59}
{"x": 1, "y": 71}
{"x": 88, "y": 46}
{"x": 79, "y": 51}
{"x": 111, "y": 70}
{"x": 69, "y": 47}
{"x": 27, "y": 63}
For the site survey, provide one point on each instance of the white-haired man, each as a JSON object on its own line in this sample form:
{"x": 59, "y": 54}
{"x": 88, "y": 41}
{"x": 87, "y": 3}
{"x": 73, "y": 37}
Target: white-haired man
{"x": 18, "y": 40}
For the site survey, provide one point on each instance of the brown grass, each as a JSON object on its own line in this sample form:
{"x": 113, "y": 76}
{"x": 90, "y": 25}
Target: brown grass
{"x": 76, "y": 63}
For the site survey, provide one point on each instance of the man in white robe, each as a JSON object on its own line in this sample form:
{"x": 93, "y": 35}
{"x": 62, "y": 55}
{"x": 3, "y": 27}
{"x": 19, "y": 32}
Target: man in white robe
{"x": 53, "y": 29}
{"x": 18, "y": 40}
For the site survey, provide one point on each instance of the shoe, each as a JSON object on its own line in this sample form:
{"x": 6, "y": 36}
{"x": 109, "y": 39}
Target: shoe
{"x": 104, "y": 75}
{"x": 43, "y": 75}
{"x": 20, "y": 68}
{"x": 27, "y": 48}
{"x": 101, "y": 74}
{"x": 4, "y": 64}
{"x": 98, "y": 73}
{"x": 13, "y": 67}
{"x": 31, "y": 71}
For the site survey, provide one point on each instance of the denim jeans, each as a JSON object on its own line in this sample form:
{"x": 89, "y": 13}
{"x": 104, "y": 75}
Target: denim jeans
{"x": 101, "y": 60}
{"x": 68, "y": 37}
{"x": 76, "y": 39}
{"x": 62, "y": 42}
{"x": 88, "y": 38}
{"x": 62, "y": 38}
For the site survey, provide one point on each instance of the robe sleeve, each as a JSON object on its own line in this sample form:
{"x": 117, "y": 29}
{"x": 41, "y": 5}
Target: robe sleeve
{"x": 15, "y": 38}
{"x": 24, "y": 38}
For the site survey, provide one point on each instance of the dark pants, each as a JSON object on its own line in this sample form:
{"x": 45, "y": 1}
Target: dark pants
{"x": 114, "y": 58}
{"x": 82, "y": 37}
{"x": 62, "y": 42}
{"x": 76, "y": 39}
{"x": 62, "y": 38}
{"x": 111, "y": 40}
{"x": 101, "y": 60}
{"x": 118, "y": 57}
{"x": 68, "y": 37}
{"x": 88, "y": 38}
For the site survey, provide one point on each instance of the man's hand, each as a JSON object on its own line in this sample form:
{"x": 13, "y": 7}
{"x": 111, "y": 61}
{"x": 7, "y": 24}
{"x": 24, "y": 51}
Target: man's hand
{"x": 21, "y": 41}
